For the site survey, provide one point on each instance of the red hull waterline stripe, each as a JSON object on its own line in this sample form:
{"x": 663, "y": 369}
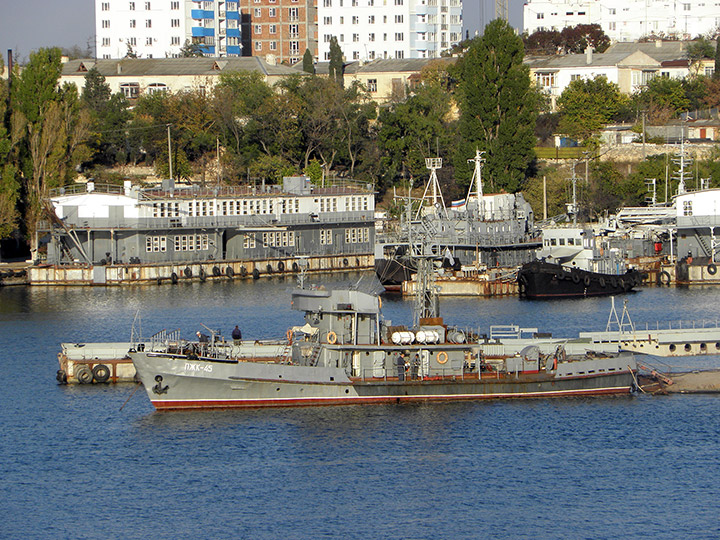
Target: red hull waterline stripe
{"x": 360, "y": 400}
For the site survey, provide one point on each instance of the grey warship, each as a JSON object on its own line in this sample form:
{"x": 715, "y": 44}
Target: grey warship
{"x": 346, "y": 353}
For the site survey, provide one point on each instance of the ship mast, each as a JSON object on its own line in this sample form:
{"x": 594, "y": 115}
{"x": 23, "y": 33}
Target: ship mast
{"x": 476, "y": 180}
{"x": 432, "y": 192}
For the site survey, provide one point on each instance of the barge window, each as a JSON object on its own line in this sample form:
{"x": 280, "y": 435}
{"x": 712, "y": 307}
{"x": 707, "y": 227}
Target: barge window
{"x": 248, "y": 241}
{"x": 155, "y": 244}
{"x": 325, "y": 237}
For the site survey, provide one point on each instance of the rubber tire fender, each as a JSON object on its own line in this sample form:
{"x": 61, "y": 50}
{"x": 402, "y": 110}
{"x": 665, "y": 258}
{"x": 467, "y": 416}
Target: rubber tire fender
{"x": 216, "y": 271}
{"x": 83, "y": 374}
{"x": 229, "y": 272}
{"x": 101, "y": 373}
{"x": 187, "y": 272}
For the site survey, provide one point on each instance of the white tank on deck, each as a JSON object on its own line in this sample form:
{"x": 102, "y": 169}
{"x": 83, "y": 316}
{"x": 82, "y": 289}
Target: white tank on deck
{"x": 427, "y": 336}
{"x": 403, "y": 338}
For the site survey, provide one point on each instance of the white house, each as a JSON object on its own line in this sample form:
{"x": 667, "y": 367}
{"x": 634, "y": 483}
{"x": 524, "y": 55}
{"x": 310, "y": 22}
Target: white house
{"x": 625, "y": 20}
{"x": 159, "y": 28}
{"x": 382, "y": 29}
{"x": 135, "y": 76}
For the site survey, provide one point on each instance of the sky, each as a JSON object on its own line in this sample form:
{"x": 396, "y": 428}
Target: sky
{"x": 26, "y": 25}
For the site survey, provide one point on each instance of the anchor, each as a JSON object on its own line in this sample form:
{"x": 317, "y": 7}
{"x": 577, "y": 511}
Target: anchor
{"x": 159, "y": 388}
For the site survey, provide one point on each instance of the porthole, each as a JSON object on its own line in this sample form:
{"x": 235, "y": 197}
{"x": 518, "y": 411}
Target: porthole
{"x": 672, "y": 347}
{"x": 687, "y": 347}
{"x": 703, "y": 347}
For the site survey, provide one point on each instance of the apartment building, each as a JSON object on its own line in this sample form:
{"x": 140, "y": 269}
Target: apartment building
{"x": 380, "y": 29}
{"x": 625, "y": 20}
{"x": 160, "y": 28}
{"x": 281, "y": 28}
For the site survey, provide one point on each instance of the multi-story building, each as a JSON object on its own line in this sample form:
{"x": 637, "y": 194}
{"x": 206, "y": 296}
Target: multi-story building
{"x": 159, "y": 29}
{"x": 282, "y": 28}
{"x": 625, "y": 20}
{"x": 370, "y": 29}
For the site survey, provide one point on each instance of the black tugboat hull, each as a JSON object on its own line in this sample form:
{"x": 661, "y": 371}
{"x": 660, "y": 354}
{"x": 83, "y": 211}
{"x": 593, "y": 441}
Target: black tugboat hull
{"x": 541, "y": 280}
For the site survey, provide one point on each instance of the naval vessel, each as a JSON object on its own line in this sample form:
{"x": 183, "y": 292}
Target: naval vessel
{"x": 347, "y": 353}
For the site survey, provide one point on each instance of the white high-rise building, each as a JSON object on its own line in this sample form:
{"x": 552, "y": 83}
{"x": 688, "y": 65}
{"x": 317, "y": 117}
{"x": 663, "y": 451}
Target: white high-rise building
{"x": 159, "y": 28}
{"x": 370, "y": 29}
{"x": 625, "y": 20}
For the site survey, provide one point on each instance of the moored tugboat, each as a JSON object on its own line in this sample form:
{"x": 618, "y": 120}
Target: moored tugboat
{"x": 570, "y": 265}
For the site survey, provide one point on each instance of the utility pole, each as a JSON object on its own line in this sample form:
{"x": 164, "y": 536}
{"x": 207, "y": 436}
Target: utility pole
{"x": 169, "y": 153}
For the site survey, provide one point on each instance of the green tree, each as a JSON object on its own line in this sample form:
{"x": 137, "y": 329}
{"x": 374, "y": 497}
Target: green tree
{"x": 51, "y": 127}
{"x": 308, "y": 64}
{"x": 9, "y": 184}
{"x": 699, "y": 49}
{"x": 498, "y": 107}
{"x": 415, "y": 129}
{"x": 663, "y": 98}
{"x": 716, "y": 73}
{"x": 191, "y": 49}
{"x": 585, "y": 106}
{"x": 336, "y": 67}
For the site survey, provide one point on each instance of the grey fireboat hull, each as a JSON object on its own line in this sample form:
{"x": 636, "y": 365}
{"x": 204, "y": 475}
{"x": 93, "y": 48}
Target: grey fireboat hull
{"x": 177, "y": 383}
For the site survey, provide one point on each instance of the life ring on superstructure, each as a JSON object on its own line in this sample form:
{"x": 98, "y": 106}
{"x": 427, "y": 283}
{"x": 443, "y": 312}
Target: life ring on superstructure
{"x": 289, "y": 335}
{"x": 331, "y": 337}
{"x": 443, "y": 355}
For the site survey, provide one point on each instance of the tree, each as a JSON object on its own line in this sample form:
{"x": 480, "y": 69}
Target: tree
{"x": 131, "y": 52}
{"x": 498, "y": 107}
{"x": 190, "y": 49}
{"x": 663, "y": 98}
{"x": 699, "y": 49}
{"x": 716, "y": 73}
{"x": 308, "y": 64}
{"x": 543, "y": 42}
{"x": 585, "y": 106}
{"x": 578, "y": 38}
{"x": 336, "y": 67}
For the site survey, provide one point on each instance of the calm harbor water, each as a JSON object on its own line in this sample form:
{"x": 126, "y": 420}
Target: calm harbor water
{"x": 75, "y": 466}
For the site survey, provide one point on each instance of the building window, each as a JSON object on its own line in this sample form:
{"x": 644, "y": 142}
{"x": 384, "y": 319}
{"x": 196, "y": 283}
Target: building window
{"x": 687, "y": 208}
{"x": 399, "y": 36}
{"x": 132, "y": 23}
{"x": 327, "y": 3}
{"x": 294, "y": 47}
{"x": 105, "y": 6}
{"x": 175, "y": 40}
{"x": 273, "y": 29}
{"x": 174, "y": 6}
{"x": 175, "y": 23}
{"x": 148, "y": 23}
{"x": 293, "y": 14}
{"x": 106, "y": 42}
{"x": 294, "y": 31}
{"x": 273, "y": 45}
{"x": 147, "y": 5}
{"x": 131, "y": 6}
{"x": 155, "y": 244}
{"x": 371, "y": 37}
{"x": 355, "y": 19}
{"x": 327, "y": 20}
{"x": 356, "y": 37}
{"x": 130, "y": 90}
{"x": 399, "y": 54}
{"x": 540, "y": 15}
{"x": 132, "y": 41}
{"x": 325, "y": 237}
{"x": 248, "y": 241}
{"x": 258, "y": 46}
{"x": 106, "y": 24}
{"x": 258, "y": 29}
{"x": 372, "y": 85}
{"x": 258, "y": 12}
{"x": 273, "y": 12}
{"x": 371, "y": 19}
{"x": 398, "y": 19}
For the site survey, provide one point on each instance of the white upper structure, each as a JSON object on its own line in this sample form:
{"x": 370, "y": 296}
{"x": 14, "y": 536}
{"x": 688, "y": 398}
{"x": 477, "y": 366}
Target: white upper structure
{"x": 625, "y": 20}
{"x": 370, "y": 29}
{"x": 159, "y": 28}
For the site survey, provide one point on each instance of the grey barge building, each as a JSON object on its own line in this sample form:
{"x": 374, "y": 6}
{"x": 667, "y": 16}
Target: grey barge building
{"x": 117, "y": 234}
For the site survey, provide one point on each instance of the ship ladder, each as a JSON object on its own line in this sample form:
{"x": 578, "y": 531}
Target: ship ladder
{"x": 314, "y": 355}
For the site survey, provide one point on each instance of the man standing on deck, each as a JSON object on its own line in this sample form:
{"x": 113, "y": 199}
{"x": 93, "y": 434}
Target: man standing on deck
{"x": 236, "y": 335}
